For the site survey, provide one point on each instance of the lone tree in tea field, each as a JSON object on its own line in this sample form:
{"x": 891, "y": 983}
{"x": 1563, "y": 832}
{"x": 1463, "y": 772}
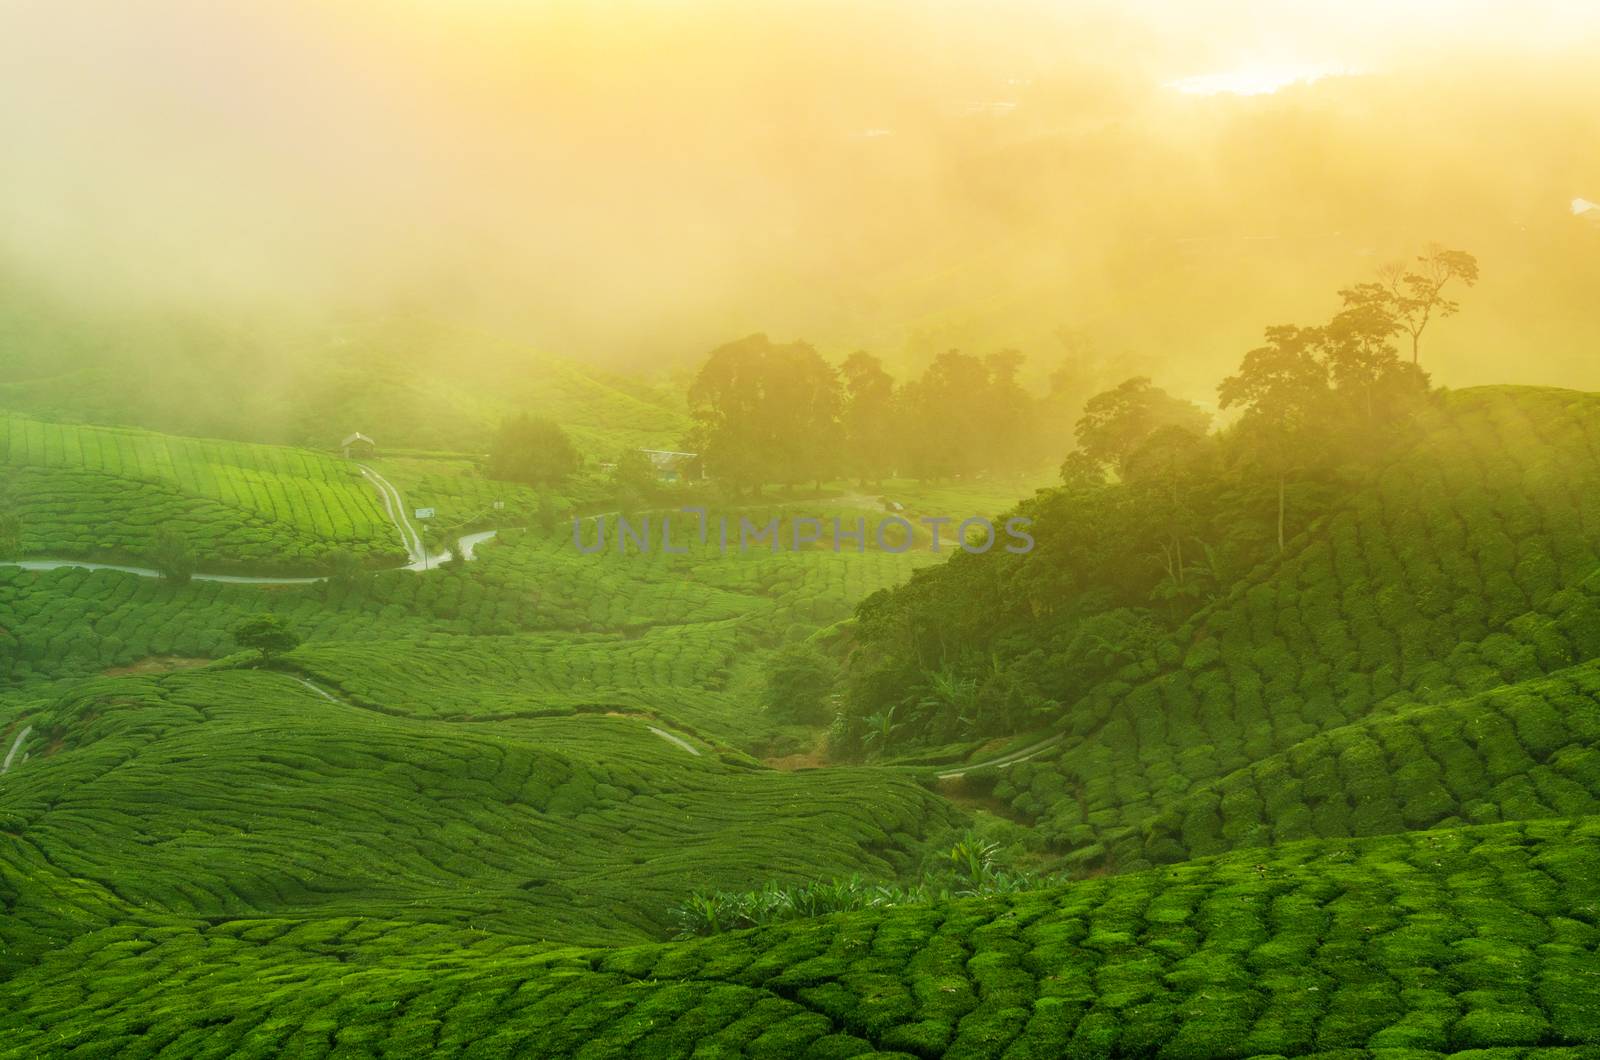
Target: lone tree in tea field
{"x": 267, "y": 634}
{"x": 173, "y": 557}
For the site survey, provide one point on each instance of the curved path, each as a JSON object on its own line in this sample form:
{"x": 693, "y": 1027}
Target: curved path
{"x": 672, "y": 739}
{"x": 395, "y": 506}
{"x": 17, "y": 746}
{"x": 418, "y": 558}
{"x": 1021, "y": 755}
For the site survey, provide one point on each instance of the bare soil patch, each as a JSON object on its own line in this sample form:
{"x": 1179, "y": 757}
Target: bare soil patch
{"x": 157, "y": 664}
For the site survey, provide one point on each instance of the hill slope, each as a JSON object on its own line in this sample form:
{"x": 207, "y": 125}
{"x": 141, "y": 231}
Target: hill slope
{"x": 1351, "y": 808}
{"x": 104, "y": 493}
{"x": 1472, "y": 562}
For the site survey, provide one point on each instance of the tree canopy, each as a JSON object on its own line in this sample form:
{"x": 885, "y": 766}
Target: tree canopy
{"x": 267, "y": 634}
{"x": 533, "y": 451}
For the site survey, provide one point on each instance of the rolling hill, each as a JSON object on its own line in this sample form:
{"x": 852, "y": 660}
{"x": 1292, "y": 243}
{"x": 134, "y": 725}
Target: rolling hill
{"x": 1349, "y": 808}
{"x": 105, "y": 493}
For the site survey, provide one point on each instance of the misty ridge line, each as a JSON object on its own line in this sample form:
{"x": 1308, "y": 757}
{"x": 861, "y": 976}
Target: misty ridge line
{"x": 802, "y": 532}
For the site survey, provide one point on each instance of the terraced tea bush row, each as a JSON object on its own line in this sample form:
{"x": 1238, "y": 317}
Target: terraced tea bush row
{"x": 1519, "y": 753}
{"x": 665, "y": 671}
{"x": 243, "y": 792}
{"x": 97, "y": 492}
{"x": 1472, "y": 566}
{"x": 1333, "y": 949}
{"x": 69, "y": 622}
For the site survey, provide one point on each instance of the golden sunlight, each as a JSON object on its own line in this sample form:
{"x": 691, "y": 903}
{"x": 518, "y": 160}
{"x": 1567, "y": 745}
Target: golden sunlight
{"x": 1256, "y": 80}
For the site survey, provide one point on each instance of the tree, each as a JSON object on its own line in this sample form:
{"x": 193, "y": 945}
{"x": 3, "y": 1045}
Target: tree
{"x": 765, "y": 413}
{"x": 172, "y": 557}
{"x": 1417, "y": 294}
{"x": 532, "y": 451}
{"x": 345, "y": 569}
{"x": 633, "y": 478}
{"x": 1116, "y": 421}
{"x": 943, "y": 421}
{"x": 1008, "y": 413}
{"x": 799, "y": 680}
{"x": 868, "y": 417}
{"x": 545, "y": 515}
{"x": 1162, "y": 470}
{"x": 1283, "y": 388}
{"x": 1079, "y": 471}
{"x": 267, "y": 634}
{"x": 1366, "y": 369}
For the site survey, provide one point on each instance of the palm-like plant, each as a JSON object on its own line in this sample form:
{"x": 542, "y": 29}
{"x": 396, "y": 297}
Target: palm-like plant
{"x": 951, "y": 699}
{"x": 880, "y": 730}
{"x": 974, "y": 859}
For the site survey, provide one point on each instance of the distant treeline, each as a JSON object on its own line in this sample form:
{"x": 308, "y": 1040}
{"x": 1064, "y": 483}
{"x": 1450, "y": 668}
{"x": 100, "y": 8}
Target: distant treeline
{"x": 779, "y": 413}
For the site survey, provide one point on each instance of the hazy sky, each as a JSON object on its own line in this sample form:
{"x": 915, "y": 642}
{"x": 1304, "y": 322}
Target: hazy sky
{"x": 640, "y": 181}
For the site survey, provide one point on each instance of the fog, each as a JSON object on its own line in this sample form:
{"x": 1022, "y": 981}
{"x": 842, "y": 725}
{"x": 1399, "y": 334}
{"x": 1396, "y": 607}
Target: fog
{"x": 633, "y": 183}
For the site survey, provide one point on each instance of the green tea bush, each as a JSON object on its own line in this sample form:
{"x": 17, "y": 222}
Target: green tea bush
{"x": 103, "y": 493}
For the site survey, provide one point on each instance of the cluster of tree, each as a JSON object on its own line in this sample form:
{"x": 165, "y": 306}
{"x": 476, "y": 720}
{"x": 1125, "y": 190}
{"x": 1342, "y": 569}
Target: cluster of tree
{"x": 1156, "y": 516}
{"x": 768, "y": 413}
{"x": 1304, "y": 383}
{"x": 533, "y": 451}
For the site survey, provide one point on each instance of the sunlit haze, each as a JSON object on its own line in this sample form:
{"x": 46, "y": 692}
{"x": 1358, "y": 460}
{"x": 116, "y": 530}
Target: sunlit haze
{"x": 633, "y": 183}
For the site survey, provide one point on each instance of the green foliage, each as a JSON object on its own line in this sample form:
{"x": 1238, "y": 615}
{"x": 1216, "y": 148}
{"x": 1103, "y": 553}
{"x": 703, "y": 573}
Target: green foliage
{"x": 255, "y": 795}
{"x": 267, "y": 634}
{"x": 764, "y": 413}
{"x": 971, "y": 873}
{"x": 633, "y": 479}
{"x": 799, "y": 683}
{"x": 1117, "y": 422}
{"x": 346, "y": 571}
{"x": 1325, "y": 948}
{"x": 1334, "y": 800}
{"x": 10, "y": 531}
{"x": 532, "y": 451}
{"x": 172, "y": 556}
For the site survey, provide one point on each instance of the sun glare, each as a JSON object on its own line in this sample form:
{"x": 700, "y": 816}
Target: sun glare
{"x": 1255, "y": 80}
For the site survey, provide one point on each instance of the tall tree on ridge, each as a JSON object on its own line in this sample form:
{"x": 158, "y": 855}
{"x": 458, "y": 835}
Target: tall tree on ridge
{"x": 1418, "y": 293}
{"x": 1115, "y": 422}
{"x": 1283, "y": 389}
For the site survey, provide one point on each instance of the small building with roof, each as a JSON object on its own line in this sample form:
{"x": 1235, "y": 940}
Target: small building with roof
{"x": 674, "y": 466}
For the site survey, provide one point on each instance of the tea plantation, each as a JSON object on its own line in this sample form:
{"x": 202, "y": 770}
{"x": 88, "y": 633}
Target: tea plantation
{"x": 1475, "y": 942}
{"x": 1474, "y": 563}
{"x": 104, "y": 493}
{"x": 1350, "y": 808}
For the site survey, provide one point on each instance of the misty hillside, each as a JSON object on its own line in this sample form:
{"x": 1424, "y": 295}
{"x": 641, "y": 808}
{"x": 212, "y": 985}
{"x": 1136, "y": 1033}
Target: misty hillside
{"x": 800, "y": 529}
{"x": 409, "y": 383}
